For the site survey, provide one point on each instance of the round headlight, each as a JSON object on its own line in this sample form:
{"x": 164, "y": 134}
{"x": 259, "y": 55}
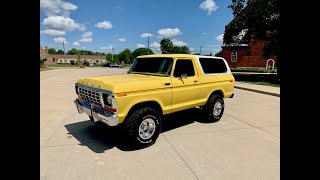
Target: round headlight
{"x": 109, "y": 99}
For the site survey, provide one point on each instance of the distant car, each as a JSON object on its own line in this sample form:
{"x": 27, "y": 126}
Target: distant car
{"x": 113, "y": 65}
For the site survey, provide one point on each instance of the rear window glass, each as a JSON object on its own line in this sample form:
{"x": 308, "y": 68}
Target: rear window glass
{"x": 210, "y": 65}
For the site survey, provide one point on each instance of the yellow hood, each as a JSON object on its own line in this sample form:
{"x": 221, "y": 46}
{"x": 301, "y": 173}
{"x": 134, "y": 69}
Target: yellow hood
{"x": 124, "y": 83}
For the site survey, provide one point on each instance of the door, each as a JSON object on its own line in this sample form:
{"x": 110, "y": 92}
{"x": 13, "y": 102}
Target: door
{"x": 185, "y": 85}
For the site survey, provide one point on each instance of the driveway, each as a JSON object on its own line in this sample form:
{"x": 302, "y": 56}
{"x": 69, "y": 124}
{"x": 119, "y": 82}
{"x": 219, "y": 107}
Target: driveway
{"x": 244, "y": 144}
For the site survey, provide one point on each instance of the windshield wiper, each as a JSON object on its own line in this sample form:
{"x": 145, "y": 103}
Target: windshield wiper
{"x": 147, "y": 73}
{"x": 136, "y": 73}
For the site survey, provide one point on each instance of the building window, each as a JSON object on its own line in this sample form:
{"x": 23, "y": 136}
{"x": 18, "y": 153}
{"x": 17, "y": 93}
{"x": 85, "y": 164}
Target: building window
{"x": 234, "y": 56}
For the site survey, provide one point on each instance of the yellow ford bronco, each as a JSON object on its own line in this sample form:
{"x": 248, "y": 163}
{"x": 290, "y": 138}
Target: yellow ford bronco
{"x": 154, "y": 86}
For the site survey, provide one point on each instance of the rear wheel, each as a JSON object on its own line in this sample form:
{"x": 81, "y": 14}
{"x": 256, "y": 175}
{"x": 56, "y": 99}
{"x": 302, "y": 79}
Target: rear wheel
{"x": 214, "y": 108}
{"x": 143, "y": 127}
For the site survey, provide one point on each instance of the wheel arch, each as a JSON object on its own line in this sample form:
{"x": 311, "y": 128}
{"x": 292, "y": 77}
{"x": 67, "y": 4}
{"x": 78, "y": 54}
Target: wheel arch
{"x": 153, "y": 104}
{"x": 219, "y": 92}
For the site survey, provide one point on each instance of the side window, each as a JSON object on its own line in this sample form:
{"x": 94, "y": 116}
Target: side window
{"x": 211, "y": 65}
{"x": 183, "y": 67}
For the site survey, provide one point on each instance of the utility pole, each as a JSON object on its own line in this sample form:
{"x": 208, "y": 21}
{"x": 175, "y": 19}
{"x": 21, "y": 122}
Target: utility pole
{"x": 64, "y": 52}
{"x": 148, "y": 42}
{"x": 112, "y": 53}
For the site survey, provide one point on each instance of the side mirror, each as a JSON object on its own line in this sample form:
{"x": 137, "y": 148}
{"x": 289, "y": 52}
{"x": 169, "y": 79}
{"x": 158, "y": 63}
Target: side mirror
{"x": 183, "y": 76}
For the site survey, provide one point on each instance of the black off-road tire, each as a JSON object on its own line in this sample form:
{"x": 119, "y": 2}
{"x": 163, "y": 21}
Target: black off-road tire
{"x": 132, "y": 123}
{"x": 208, "y": 108}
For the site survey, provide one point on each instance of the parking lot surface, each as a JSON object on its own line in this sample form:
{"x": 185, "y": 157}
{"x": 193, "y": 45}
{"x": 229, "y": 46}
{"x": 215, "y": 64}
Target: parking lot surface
{"x": 244, "y": 144}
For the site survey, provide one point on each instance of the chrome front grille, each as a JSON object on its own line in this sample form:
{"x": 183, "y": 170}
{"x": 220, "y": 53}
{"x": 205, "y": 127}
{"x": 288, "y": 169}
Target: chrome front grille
{"x": 89, "y": 95}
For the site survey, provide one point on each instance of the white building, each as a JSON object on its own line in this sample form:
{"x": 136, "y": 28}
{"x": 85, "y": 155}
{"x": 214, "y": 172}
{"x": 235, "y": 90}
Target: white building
{"x": 72, "y": 59}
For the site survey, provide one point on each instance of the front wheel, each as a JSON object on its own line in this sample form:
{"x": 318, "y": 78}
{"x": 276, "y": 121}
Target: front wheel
{"x": 214, "y": 108}
{"x": 143, "y": 127}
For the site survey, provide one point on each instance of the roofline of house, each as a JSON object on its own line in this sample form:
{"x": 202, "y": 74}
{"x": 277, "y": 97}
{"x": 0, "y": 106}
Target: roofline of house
{"x": 237, "y": 45}
{"x": 46, "y": 52}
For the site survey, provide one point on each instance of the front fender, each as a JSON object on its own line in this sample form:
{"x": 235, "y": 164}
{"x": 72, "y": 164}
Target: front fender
{"x": 161, "y": 96}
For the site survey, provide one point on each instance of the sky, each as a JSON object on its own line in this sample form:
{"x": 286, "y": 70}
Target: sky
{"x": 103, "y": 25}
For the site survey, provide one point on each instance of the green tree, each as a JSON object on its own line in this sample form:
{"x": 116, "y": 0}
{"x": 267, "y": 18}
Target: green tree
{"x": 86, "y": 52}
{"x": 180, "y": 50}
{"x": 109, "y": 57}
{"x": 52, "y": 51}
{"x": 141, "y": 51}
{"x": 237, "y": 6}
{"x": 116, "y": 58}
{"x": 218, "y": 54}
{"x": 126, "y": 56}
{"x": 262, "y": 19}
{"x": 166, "y": 46}
{"x": 73, "y": 51}
{"x": 59, "y": 51}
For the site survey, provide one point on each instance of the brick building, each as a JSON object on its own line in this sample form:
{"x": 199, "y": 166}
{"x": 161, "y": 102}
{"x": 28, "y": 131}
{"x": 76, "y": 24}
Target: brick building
{"x": 247, "y": 53}
{"x": 44, "y": 54}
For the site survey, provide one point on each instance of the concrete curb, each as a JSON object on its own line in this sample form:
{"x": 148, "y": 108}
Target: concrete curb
{"x": 258, "y": 91}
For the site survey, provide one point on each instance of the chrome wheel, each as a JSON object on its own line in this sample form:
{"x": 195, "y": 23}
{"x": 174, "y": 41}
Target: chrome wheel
{"x": 147, "y": 128}
{"x": 217, "y": 108}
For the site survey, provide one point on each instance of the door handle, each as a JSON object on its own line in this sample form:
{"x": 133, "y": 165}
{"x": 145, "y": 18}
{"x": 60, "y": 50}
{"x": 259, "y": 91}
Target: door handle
{"x": 166, "y": 84}
{"x": 195, "y": 81}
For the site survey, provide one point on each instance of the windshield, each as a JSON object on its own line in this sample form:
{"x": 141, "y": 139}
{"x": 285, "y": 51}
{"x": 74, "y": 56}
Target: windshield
{"x": 152, "y": 66}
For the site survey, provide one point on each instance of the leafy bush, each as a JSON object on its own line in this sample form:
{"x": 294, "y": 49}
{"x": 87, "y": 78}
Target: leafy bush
{"x": 262, "y": 71}
{"x": 273, "y": 71}
{"x": 256, "y": 70}
{"x": 87, "y": 63}
{"x": 244, "y": 69}
{"x": 271, "y": 78}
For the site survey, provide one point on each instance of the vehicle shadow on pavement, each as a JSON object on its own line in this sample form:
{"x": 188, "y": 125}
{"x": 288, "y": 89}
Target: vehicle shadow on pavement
{"x": 100, "y": 138}
{"x": 97, "y": 137}
{"x": 182, "y": 118}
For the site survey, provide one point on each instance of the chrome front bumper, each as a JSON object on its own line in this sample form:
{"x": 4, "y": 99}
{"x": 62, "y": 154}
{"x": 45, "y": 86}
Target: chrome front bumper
{"x": 98, "y": 113}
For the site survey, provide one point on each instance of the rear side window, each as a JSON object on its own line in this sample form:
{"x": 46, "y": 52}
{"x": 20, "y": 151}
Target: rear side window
{"x": 210, "y": 65}
{"x": 183, "y": 67}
